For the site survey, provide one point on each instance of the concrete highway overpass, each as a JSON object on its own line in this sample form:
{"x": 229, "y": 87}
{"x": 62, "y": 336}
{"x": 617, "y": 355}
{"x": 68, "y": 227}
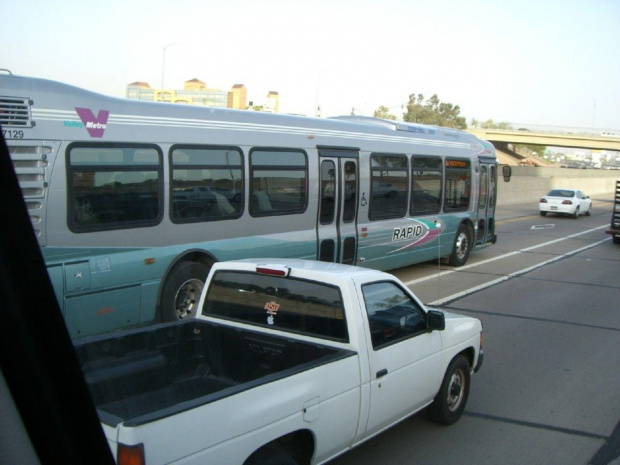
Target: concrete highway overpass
{"x": 548, "y": 139}
{"x": 501, "y": 138}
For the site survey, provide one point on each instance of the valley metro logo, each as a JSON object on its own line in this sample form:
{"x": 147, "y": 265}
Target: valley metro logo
{"x": 94, "y": 126}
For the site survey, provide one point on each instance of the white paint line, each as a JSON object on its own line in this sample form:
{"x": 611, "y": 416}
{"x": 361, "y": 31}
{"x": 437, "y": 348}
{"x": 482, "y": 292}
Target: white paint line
{"x": 512, "y": 275}
{"x": 501, "y": 257}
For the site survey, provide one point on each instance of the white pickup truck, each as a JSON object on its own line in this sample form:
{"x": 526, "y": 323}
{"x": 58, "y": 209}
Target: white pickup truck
{"x": 290, "y": 362}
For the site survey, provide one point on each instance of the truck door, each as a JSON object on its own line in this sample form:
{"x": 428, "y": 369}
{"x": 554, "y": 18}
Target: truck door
{"x": 486, "y": 201}
{"x": 337, "y": 219}
{"x": 405, "y": 358}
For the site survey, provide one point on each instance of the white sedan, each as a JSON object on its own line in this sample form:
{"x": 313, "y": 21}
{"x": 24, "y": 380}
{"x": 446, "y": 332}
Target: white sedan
{"x": 565, "y": 201}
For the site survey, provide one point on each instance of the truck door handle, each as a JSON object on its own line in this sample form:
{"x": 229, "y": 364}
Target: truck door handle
{"x": 381, "y": 373}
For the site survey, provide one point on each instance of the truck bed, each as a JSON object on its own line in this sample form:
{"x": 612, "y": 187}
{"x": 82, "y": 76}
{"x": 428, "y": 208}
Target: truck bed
{"x": 147, "y": 374}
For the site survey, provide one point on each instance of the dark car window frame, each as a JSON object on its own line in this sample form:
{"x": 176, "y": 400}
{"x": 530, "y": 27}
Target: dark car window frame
{"x": 37, "y": 358}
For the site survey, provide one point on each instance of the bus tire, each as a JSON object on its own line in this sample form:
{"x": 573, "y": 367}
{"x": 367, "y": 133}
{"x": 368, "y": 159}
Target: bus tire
{"x": 181, "y": 292}
{"x": 461, "y": 247}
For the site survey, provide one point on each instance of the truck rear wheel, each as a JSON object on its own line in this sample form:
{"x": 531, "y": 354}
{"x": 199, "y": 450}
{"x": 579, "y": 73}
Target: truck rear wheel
{"x": 181, "y": 293}
{"x": 451, "y": 399}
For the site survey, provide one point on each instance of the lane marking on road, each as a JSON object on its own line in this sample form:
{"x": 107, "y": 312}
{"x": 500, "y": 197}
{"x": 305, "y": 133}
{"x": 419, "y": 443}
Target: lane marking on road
{"x": 529, "y": 424}
{"x": 501, "y": 257}
{"x": 519, "y": 218}
{"x": 515, "y": 274}
{"x": 464, "y": 310}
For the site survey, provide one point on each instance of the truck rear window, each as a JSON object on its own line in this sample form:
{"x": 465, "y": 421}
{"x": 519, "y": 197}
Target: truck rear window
{"x": 287, "y": 304}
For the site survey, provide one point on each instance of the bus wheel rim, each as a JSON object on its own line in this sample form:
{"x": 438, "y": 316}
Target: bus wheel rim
{"x": 186, "y": 299}
{"x": 461, "y": 245}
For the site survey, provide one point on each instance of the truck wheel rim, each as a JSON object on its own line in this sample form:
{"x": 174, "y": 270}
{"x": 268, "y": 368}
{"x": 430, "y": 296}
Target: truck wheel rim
{"x": 455, "y": 390}
{"x": 186, "y": 299}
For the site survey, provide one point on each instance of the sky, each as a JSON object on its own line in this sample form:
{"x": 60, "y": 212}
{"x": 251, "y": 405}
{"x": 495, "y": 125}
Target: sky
{"x": 552, "y": 62}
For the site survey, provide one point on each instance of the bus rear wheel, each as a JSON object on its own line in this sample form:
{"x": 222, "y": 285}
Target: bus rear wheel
{"x": 181, "y": 293}
{"x": 461, "y": 247}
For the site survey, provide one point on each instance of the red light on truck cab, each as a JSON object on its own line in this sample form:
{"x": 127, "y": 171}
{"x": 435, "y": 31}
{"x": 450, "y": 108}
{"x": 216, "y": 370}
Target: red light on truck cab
{"x": 130, "y": 455}
{"x": 273, "y": 270}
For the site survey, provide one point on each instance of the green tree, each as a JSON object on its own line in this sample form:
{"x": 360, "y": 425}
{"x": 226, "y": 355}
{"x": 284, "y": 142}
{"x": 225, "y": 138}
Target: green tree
{"x": 490, "y": 124}
{"x": 433, "y": 111}
{"x": 529, "y": 149}
{"x": 383, "y": 112}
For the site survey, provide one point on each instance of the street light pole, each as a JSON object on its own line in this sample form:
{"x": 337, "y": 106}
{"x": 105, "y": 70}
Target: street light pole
{"x": 594, "y": 113}
{"x": 317, "y": 107}
{"x": 163, "y": 63}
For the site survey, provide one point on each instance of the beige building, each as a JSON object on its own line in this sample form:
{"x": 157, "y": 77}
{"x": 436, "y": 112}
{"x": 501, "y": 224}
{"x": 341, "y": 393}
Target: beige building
{"x": 196, "y": 92}
{"x": 273, "y": 102}
{"x": 237, "y": 97}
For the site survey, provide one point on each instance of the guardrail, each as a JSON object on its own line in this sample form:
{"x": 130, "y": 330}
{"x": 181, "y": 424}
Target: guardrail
{"x": 528, "y": 184}
{"x": 546, "y": 129}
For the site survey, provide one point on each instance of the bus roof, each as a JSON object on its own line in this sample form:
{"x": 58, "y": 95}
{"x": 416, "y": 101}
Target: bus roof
{"x": 51, "y": 109}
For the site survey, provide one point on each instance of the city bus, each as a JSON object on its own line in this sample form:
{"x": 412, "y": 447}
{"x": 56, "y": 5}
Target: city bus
{"x": 132, "y": 201}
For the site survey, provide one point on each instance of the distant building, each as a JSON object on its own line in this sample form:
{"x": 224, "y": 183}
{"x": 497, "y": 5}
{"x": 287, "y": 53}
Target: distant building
{"x": 140, "y": 91}
{"x": 273, "y": 102}
{"x": 195, "y": 92}
{"x": 270, "y": 104}
{"x": 237, "y": 97}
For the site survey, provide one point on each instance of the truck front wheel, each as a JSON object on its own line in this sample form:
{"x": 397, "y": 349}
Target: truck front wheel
{"x": 270, "y": 456}
{"x": 451, "y": 399}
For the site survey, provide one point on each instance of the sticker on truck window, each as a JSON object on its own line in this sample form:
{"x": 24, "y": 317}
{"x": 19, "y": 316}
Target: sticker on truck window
{"x": 272, "y": 310}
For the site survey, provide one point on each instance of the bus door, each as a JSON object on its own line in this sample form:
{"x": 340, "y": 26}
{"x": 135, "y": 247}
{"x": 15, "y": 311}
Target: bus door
{"x": 337, "y": 219}
{"x": 486, "y": 201}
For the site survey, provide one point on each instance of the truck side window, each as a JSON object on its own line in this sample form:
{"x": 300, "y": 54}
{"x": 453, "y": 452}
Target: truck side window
{"x": 392, "y": 314}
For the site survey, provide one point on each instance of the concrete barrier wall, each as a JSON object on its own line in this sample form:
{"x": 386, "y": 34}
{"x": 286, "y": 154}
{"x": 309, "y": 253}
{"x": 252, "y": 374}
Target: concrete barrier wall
{"x": 528, "y": 184}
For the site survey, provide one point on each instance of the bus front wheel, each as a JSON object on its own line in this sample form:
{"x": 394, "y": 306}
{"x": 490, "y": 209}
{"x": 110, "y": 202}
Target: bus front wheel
{"x": 181, "y": 293}
{"x": 461, "y": 247}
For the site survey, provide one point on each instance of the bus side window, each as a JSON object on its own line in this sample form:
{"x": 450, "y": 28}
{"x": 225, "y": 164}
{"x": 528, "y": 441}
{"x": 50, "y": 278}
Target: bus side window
{"x": 112, "y": 187}
{"x": 388, "y": 188}
{"x": 206, "y": 183}
{"x": 279, "y": 182}
{"x": 427, "y": 179}
{"x": 458, "y": 184}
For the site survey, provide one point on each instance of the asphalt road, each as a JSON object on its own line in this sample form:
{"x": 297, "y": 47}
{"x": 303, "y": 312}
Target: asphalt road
{"x": 548, "y": 294}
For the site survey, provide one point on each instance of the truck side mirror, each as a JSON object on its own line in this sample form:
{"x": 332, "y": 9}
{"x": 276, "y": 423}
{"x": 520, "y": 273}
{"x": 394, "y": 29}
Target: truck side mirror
{"x": 435, "y": 320}
{"x": 506, "y": 172}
